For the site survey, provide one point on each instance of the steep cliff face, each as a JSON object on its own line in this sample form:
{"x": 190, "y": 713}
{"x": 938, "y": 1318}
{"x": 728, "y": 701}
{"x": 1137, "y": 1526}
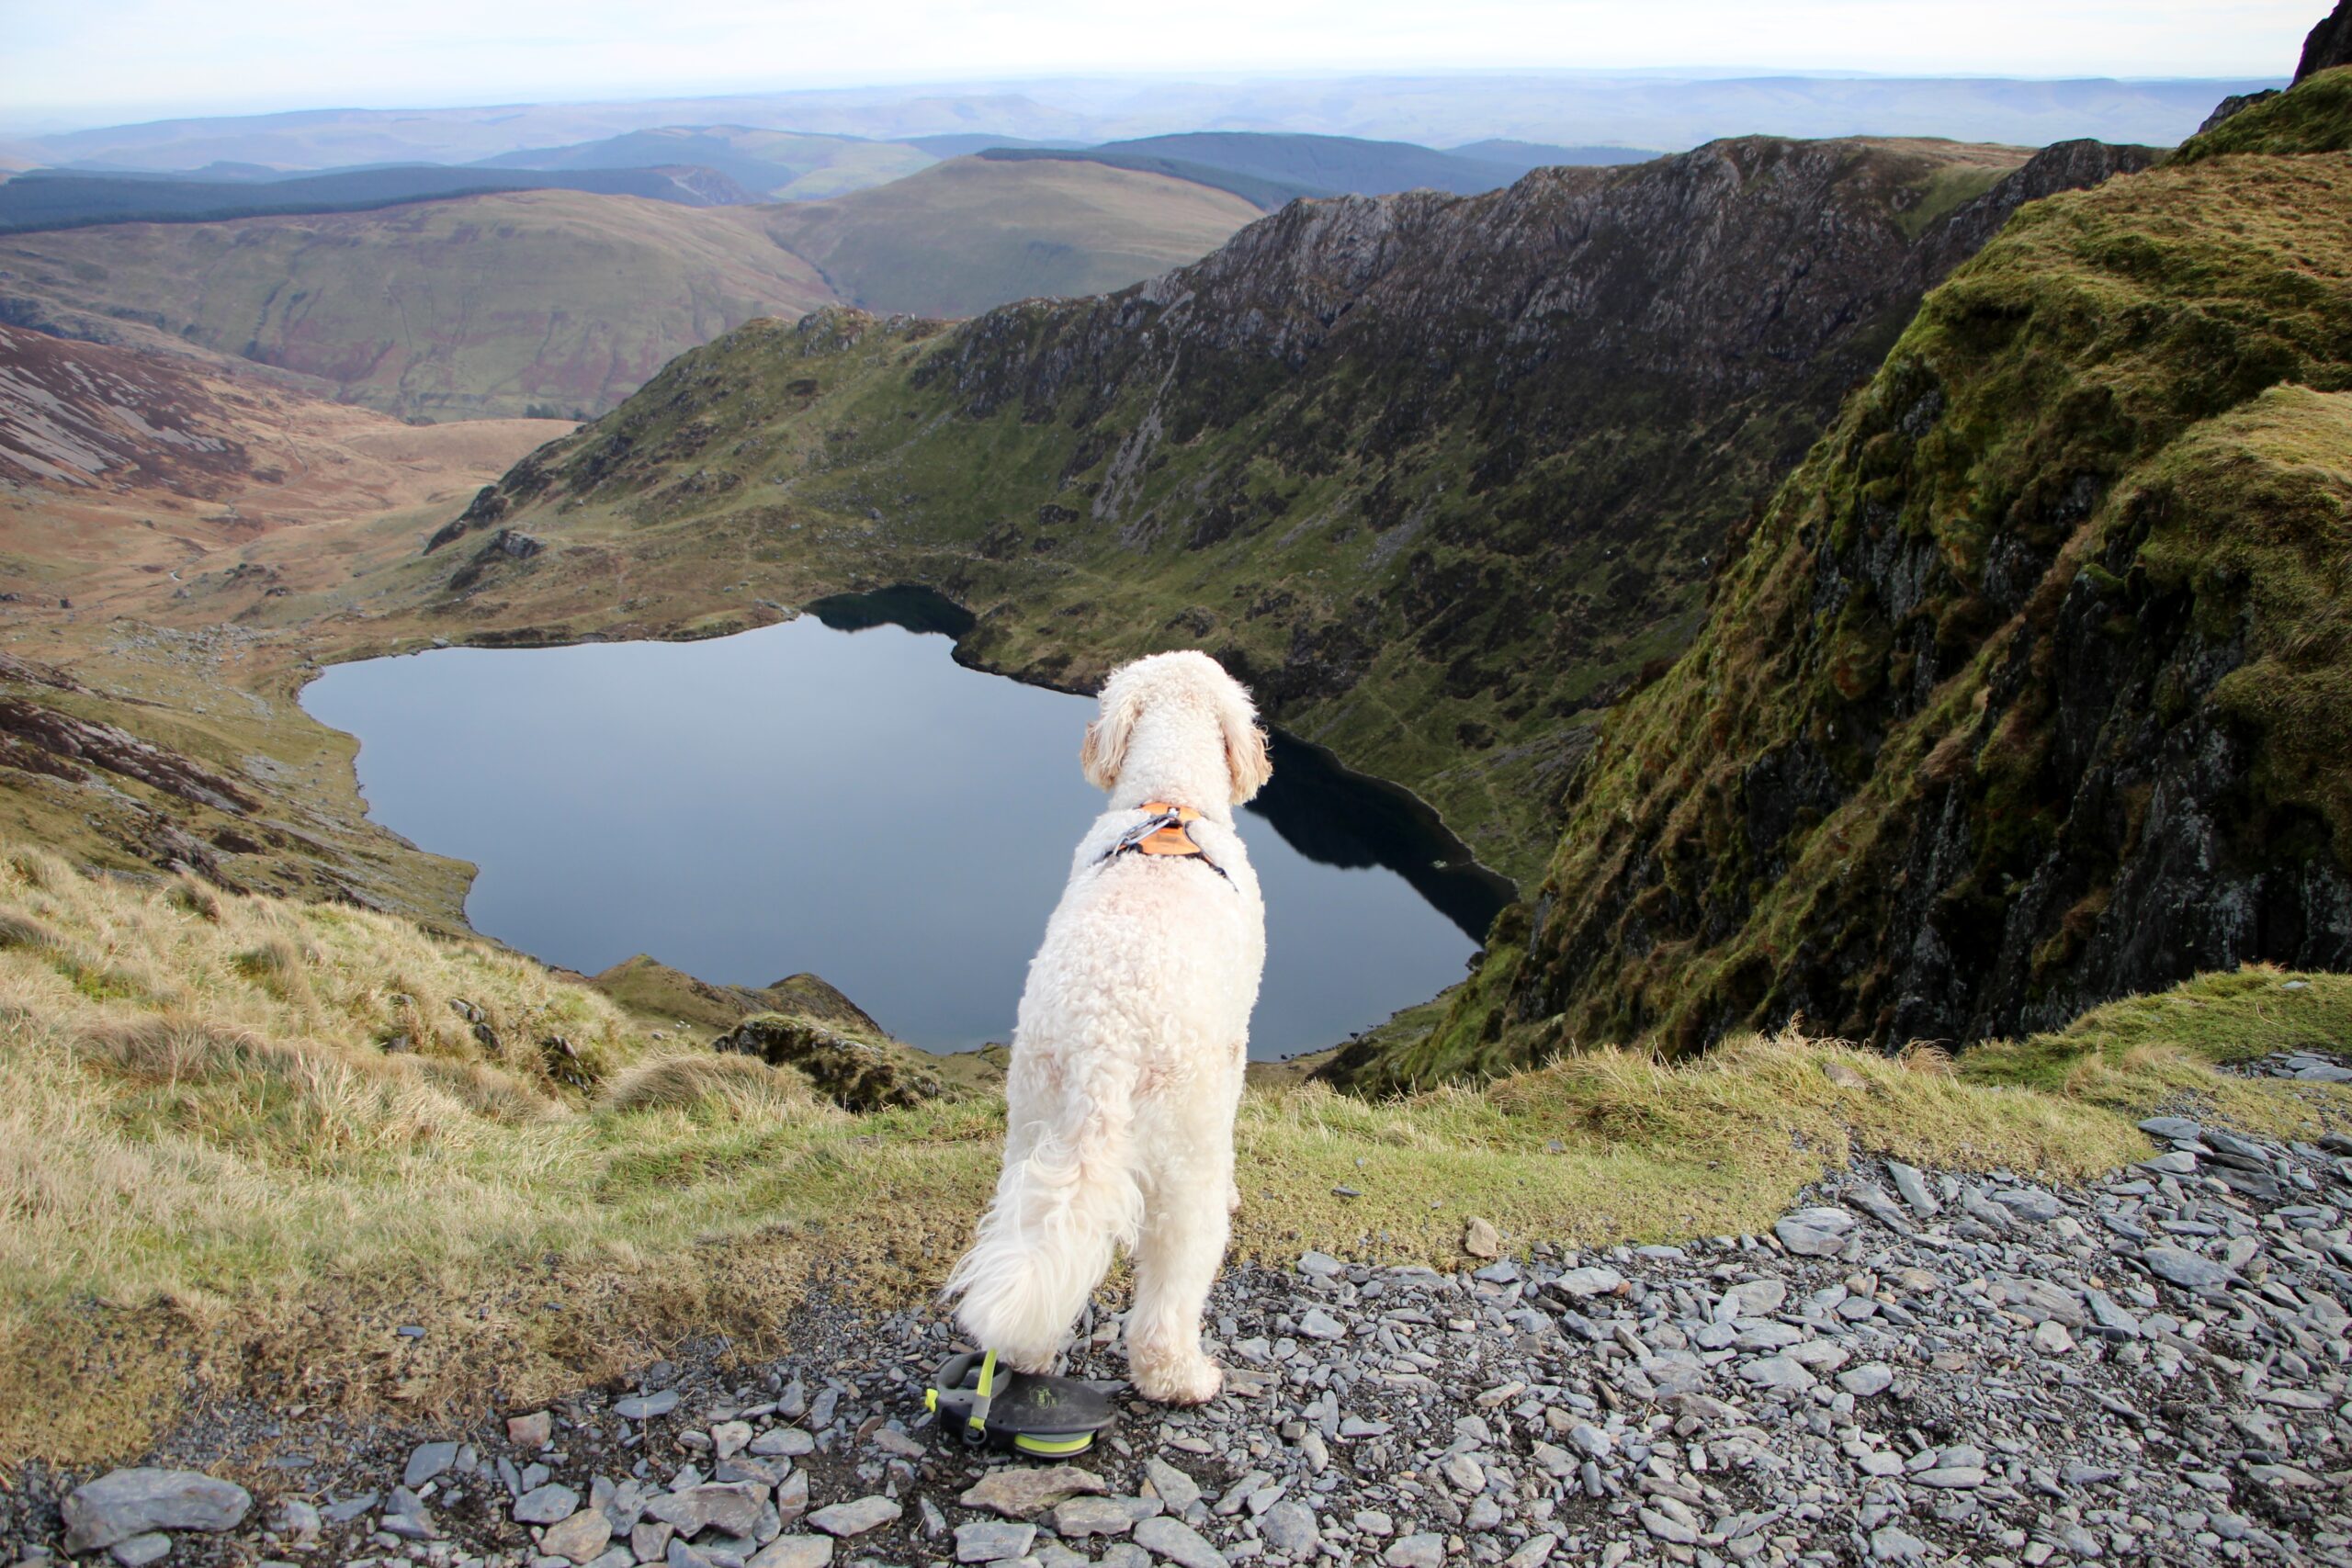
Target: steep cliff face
{"x": 2033, "y": 686}
{"x": 1439, "y": 476}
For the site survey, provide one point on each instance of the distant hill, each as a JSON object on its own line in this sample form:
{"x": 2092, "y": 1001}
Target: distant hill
{"x": 517, "y": 303}
{"x": 1324, "y": 165}
{"x": 59, "y": 200}
{"x": 964, "y": 144}
{"x": 971, "y": 234}
{"x": 1267, "y": 170}
{"x": 1522, "y": 156}
{"x": 781, "y": 164}
{"x": 1263, "y": 194}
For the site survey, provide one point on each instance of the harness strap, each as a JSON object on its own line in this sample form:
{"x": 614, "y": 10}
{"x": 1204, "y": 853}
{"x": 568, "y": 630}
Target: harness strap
{"x": 1163, "y": 834}
{"x": 976, "y": 1424}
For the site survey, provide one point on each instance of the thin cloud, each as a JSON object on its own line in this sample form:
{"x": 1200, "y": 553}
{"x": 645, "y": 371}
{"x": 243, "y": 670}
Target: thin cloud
{"x": 110, "y": 59}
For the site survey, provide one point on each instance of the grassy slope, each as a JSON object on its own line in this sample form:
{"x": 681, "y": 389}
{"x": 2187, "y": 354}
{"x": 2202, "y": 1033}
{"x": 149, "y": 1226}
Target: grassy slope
{"x": 2177, "y": 346}
{"x": 217, "y": 1177}
{"x": 967, "y": 234}
{"x": 488, "y": 305}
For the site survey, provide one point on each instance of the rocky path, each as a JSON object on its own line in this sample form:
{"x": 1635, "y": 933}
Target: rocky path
{"x": 1914, "y": 1368}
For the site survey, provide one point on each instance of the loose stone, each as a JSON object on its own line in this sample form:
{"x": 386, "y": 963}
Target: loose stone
{"x": 855, "y": 1518}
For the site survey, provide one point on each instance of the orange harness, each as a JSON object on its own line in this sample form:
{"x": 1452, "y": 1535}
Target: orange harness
{"x": 1163, "y": 834}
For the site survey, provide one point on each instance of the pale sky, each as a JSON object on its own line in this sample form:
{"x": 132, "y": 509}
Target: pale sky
{"x": 93, "y": 61}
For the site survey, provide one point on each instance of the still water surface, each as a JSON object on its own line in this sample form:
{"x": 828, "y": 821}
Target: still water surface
{"x": 836, "y": 795}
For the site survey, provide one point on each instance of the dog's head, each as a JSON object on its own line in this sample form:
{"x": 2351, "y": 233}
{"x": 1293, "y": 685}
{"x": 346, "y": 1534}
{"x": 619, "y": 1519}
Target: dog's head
{"x": 1188, "y": 681}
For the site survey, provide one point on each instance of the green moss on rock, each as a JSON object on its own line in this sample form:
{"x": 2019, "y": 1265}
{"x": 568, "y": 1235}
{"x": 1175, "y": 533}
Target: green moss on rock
{"x": 2028, "y": 689}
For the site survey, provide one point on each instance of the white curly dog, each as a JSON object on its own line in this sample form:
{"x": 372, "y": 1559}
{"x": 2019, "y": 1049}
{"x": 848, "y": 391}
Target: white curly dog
{"x": 1128, "y": 1049}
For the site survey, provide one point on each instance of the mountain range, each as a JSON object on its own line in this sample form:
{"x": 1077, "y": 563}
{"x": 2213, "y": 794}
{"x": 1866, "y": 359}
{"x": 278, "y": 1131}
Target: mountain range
{"x": 1664, "y": 109}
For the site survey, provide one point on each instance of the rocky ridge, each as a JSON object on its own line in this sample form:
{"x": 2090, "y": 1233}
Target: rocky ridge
{"x": 2011, "y": 702}
{"x": 1913, "y": 1367}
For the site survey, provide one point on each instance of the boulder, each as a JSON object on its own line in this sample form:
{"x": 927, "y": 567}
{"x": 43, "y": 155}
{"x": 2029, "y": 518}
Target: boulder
{"x": 136, "y": 1502}
{"x": 854, "y": 1073}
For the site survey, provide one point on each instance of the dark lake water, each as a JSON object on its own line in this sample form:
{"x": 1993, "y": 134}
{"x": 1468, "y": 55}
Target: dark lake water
{"x": 836, "y": 795}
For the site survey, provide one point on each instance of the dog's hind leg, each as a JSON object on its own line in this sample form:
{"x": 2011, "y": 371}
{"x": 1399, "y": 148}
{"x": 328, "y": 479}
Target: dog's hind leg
{"x": 1066, "y": 1196}
{"x": 1186, "y": 1224}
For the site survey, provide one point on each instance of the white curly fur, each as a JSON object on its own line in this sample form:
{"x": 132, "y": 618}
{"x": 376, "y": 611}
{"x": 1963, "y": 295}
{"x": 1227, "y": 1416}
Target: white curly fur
{"x": 1128, "y": 1049}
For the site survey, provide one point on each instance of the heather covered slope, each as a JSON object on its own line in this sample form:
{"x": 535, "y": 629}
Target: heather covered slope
{"x": 2033, "y": 686}
{"x": 1438, "y": 476}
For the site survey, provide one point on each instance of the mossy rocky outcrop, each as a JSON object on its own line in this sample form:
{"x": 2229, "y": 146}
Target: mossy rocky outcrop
{"x": 855, "y": 1073}
{"x": 1440, "y": 477}
{"x": 2032, "y": 687}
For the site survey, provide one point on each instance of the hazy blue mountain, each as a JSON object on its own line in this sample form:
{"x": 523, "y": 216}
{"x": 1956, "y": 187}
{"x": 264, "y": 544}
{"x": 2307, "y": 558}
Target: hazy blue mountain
{"x": 964, "y": 144}
{"x": 1270, "y": 169}
{"x": 1326, "y": 165}
{"x": 1667, "y": 109}
{"x": 52, "y": 199}
{"x": 1521, "y": 156}
{"x": 784, "y": 165}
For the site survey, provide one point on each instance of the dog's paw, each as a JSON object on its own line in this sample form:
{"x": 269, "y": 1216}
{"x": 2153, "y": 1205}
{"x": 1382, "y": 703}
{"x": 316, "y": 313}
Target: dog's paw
{"x": 1189, "y": 1379}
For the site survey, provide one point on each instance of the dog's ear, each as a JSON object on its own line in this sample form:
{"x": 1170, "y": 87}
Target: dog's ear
{"x": 1245, "y": 746}
{"x": 1105, "y": 750}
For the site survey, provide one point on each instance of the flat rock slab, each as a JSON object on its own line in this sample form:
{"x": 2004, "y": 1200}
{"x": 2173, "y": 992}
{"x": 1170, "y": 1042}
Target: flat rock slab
{"x": 1814, "y": 1232}
{"x": 993, "y": 1541}
{"x": 1317, "y": 1323}
{"x": 1416, "y": 1552}
{"x": 1176, "y": 1489}
{"x": 1777, "y": 1371}
{"x": 2171, "y": 1127}
{"x": 141, "y": 1550}
{"x": 139, "y": 1502}
{"x": 1290, "y": 1528}
{"x": 1082, "y": 1516}
{"x": 856, "y": 1519}
{"x": 429, "y": 1461}
{"x": 730, "y": 1506}
{"x": 2180, "y": 1267}
{"x": 1592, "y": 1279}
{"x": 1867, "y": 1381}
{"x": 581, "y": 1537}
{"x": 793, "y": 1551}
{"x": 547, "y": 1505}
{"x": 1016, "y": 1491}
{"x": 1178, "y": 1543}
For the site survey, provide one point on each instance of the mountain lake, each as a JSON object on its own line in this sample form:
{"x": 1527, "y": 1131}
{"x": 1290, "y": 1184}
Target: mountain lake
{"x": 836, "y": 795}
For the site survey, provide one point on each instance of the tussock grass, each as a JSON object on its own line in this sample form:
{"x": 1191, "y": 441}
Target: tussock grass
{"x": 215, "y": 1174}
{"x": 708, "y": 1084}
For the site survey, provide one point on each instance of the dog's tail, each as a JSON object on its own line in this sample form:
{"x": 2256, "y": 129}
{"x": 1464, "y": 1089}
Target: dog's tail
{"x": 1067, "y": 1197}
